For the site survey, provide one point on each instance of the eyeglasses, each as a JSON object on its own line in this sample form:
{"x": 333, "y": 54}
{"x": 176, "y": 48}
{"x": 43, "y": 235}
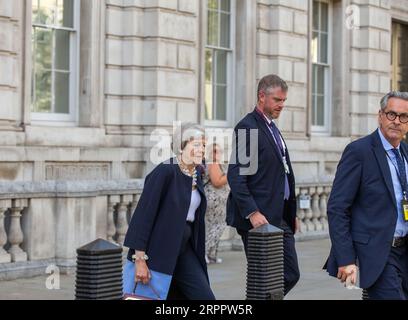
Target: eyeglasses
{"x": 391, "y": 115}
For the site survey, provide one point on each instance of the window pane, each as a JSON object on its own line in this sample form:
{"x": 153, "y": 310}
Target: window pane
{"x": 62, "y": 92}
{"x": 62, "y": 50}
{"x": 318, "y": 79}
{"x": 213, "y": 28}
{"x": 209, "y": 101}
{"x": 42, "y": 48}
{"x": 324, "y": 14}
{"x": 66, "y": 13}
{"x": 315, "y": 15}
{"x": 35, "y": 9}
{"x": 44, "y": 11}
{"x": 225, "y": 30}
{"x": 213, "y": 4}
{"x": 226, "y": 5}
{"x": 42, "y": 84}
{"x": 221, "y": 105}
{"x": 315, "y": 47}
{"x": 221, "y": 57}
{"x": 208, "y": 66}
{"x": 320, "y": 111}
{"x": 323, "y": 48}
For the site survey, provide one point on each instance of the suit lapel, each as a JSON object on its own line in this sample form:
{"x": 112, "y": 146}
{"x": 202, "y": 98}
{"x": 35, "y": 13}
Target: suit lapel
{"x": 262, "y": 125}
{"x": 383, "y": 164}
{"x": 404, "y": 150}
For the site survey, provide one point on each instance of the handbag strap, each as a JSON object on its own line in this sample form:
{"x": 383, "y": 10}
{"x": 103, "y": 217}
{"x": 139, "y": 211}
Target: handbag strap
{"x": 151, "y": 287}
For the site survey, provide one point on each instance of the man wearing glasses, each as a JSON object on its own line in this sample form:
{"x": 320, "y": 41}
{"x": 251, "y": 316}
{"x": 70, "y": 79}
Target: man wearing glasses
{"x": 368, "y": 207}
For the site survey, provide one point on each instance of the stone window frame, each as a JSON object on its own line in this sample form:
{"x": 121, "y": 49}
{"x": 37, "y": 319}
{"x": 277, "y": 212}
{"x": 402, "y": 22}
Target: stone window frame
{"x": 231, "y": 75}
{"x": 74, "y": 31}
{"x": 91, "y": 68}
{"x": 341, "y": 56}
{"x": 326, "y": 128}
{"x": 243, "y": 96}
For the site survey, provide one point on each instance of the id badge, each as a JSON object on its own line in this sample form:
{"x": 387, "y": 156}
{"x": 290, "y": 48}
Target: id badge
{"x": 405, "y": 210}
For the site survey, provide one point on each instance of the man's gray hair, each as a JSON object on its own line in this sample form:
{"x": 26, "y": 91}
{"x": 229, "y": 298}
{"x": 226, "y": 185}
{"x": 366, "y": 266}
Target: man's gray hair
{"x": 393, "y": 94}
{"x": 184, "y": 133}
{"x": 271, "y": 81}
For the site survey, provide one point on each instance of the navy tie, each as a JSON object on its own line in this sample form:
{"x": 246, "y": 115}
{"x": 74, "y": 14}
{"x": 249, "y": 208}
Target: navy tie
{"x": 277, "y": 136}
{"x": 401, "y": 170}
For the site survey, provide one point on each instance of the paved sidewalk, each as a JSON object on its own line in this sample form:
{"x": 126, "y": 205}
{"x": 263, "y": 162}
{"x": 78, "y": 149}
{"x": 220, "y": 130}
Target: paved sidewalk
{"x": 227, "y": 279}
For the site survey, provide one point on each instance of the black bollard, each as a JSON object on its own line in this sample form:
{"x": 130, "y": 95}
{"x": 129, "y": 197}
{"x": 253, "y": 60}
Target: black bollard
{"x": 265, "y": 264}
{"x": 99, "y": 271}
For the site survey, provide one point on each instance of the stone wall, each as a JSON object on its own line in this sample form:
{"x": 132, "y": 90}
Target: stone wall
{"x": 141, "y": 68}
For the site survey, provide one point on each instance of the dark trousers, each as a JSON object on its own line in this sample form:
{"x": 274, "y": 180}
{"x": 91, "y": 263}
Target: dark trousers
{"x": 393, "y": 281}
{"x": 290, "y": 261}
{"x": 189, "y": 279}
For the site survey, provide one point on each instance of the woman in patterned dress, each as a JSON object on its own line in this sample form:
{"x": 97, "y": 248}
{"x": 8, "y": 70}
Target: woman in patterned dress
{"x": 217, "y": 190}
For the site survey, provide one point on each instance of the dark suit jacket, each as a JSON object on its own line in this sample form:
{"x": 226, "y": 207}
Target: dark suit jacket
{"x": 362, "y": 209}
{"x": 262, "y": 190}
{"x": 158, "y": 223}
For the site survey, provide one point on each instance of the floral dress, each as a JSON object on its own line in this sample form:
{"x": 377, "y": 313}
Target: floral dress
{"x": 215, "y": 215}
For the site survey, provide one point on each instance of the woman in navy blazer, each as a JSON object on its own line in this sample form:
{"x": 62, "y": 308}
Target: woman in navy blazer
{"x": 167, "y": 231}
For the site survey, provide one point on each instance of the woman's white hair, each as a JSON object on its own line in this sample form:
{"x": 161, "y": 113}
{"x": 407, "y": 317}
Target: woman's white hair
{"x": 184, "y": 133}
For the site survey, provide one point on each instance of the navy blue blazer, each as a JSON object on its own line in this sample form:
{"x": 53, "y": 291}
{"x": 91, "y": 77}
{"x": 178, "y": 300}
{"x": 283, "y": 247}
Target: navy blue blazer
{"x": 158, "y": 223}
{"x": 362, "y": 209}
{"x": 262, "y": 190}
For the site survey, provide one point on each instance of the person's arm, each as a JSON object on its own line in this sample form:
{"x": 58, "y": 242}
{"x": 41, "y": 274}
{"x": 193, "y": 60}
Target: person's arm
{"x": 237, "y": 179}
{"x": 147, "y": 209}
{"x": 217, "y": 177}
{"x": 344, "y": 191}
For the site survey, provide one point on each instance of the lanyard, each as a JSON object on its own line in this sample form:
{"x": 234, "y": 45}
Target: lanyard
{"x": 403, "y": 185}
{"x": 282, "y": 150}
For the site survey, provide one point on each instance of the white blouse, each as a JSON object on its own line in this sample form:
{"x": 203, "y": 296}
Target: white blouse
{"x": 194, "y": 204}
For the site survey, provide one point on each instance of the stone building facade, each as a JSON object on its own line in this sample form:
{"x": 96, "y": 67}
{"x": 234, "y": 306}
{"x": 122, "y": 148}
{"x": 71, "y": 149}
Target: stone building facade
{"x": 89, "y": 87}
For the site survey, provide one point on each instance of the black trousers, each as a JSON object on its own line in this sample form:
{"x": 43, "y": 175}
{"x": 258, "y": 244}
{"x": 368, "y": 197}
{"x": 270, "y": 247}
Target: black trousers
{"x": 189, "y": 279}
{"x": 290, "y": 262}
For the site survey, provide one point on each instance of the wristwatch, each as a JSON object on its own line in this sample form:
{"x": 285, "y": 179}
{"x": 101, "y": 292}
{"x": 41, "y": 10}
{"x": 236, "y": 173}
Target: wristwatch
{"x": 144, "y": 257}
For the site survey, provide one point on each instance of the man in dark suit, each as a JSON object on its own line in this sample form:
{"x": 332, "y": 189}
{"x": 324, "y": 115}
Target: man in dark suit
{"x": 263, "y": 184}
{"x": 367, "y": 221}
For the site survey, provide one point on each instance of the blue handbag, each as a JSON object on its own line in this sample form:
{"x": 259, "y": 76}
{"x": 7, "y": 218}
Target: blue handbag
{"x": 157, "y": 289}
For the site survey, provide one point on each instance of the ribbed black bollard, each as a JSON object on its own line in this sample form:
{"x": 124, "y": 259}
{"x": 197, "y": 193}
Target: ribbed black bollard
{"x": 99, "y": 271}
{"x": 265, "y": 264}
{"x": 365, "y": 295}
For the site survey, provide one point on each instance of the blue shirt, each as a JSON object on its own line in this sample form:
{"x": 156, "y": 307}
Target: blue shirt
{"x": 402, "y": 226}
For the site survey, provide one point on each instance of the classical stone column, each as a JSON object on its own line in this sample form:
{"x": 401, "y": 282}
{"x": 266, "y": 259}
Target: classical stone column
{"x": 300, "y": 214}
{"x": 133, "y": 205}
{"x": 122, "y": 223}
{"x": 308, "y": 212}
{"x": 323, "y": 208}
{"x": 316, "y": 209}
{"x": 16, "y": 235}
{"x": 4, "y": 256}
{"x": 111, "y": 230}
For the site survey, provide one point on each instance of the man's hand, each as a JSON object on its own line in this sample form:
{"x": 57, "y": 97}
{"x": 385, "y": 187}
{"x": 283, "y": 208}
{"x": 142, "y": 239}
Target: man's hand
{"x": 258, "y": 219}
{"x": 348, "y": 271}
